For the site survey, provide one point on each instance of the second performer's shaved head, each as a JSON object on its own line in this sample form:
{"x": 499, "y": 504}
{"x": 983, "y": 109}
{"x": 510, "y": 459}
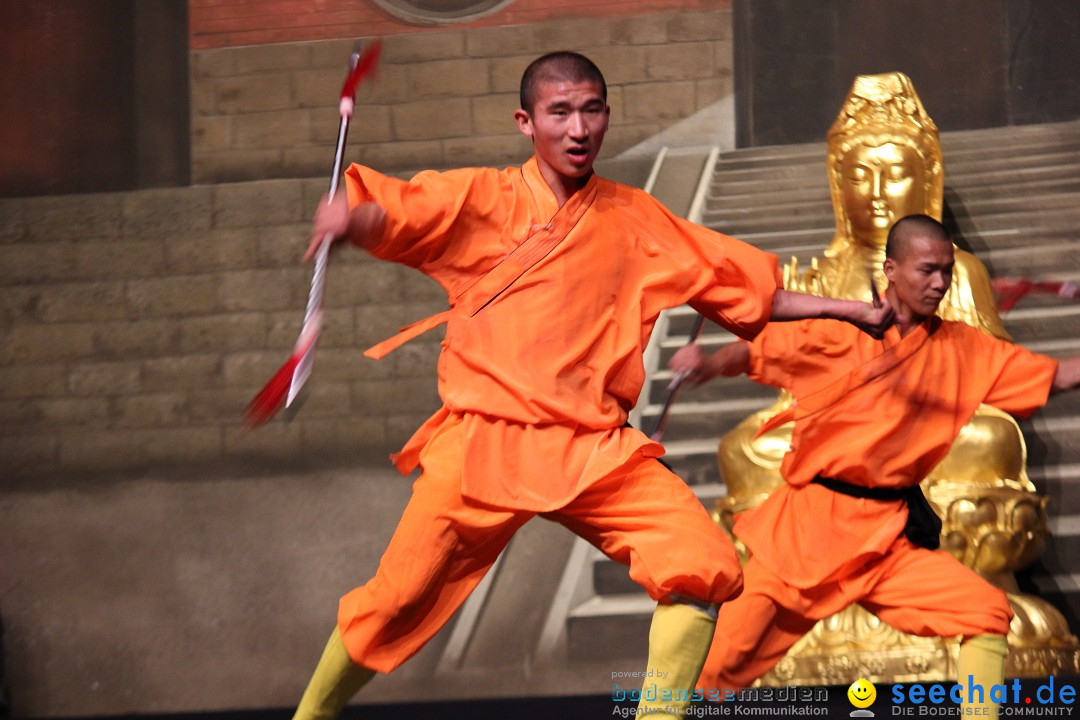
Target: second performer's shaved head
{"x": 910, "y": 227}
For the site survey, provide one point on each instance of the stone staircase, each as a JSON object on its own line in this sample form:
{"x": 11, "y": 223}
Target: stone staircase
{"x": 1013, "y": 195}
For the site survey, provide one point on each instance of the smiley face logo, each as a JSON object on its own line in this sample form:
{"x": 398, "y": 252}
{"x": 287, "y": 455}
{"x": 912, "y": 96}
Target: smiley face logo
{"x": 862, "y": 693}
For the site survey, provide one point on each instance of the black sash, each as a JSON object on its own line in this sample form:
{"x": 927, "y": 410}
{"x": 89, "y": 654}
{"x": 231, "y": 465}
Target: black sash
{"x": 923, "y": 526}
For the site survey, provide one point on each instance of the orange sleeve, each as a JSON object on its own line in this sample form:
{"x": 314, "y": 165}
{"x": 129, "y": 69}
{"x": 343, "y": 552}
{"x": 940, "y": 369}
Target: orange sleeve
{"x": 800, "y": 355}
{"x": 431, "y": 216}
{"x": 735, "y": 281}
{"x": 726, "y": 280}
{"x": 741, "y": 296}
{"x": 1020, "y": 380}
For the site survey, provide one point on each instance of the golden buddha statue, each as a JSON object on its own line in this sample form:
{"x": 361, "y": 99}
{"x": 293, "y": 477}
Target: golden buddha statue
{"x": 884, "y": 162}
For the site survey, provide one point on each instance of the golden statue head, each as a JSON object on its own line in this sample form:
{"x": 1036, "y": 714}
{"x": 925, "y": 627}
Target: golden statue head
{"x": 884, "y": 161}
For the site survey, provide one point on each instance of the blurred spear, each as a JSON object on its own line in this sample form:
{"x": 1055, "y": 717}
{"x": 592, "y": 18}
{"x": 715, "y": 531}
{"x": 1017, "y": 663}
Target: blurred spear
{"x": 287, "y": 381}
{"x": 657, "y": 433}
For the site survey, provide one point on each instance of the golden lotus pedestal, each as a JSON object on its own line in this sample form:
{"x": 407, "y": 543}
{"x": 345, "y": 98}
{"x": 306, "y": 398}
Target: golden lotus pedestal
{"x": 995, "y": 530}
{"x": 854, "y": 644}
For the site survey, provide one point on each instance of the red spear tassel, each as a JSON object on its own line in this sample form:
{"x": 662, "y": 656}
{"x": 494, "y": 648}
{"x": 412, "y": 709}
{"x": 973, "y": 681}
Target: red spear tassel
{"x": 365, "y": 65}
{"x": 1010, "y": 290}
{"x": 269, "y": 401}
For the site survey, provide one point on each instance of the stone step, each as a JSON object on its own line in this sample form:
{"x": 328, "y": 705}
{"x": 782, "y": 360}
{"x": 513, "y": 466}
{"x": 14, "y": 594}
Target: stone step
{"x": 1053, "y": 576}
{"x": 1006, "y": 229}
{"x": 610, "y": 626}
{"x": 698, "y": 468}
{"x": 612, "y": 578}
{"x": 953, "y": 142}
{"x": 811, "y": 164}
{"x": 1044, "y": 252}
{"x": 810, "y": 186}
{"x": 973, "y": 215}
{"x": 1062, "y": 546}
{"x": 1053, "y": 260}
{"x": 1060, "y": 483}
{"x": 737, "y": 394}
{"x": 1036, "y": 221}
{"x": 1015, "y": 134}
{"x": 758, "y": 183}
{"x": 1043, "y": 324}
{"x": 705, "y": 424}
{"x": 764, "y": 194}
{"x": 1014, "y": 210}
{"x": 1052, "y": 440}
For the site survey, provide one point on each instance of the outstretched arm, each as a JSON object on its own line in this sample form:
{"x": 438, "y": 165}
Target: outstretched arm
{"x": 1068, "y": 374}
{"x": 873, "y": 320}
{"x": 697, "y": 367}
{"x": 362, "y": 225}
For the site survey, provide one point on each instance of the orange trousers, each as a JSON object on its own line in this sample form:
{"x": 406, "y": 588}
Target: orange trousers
{"x": 643, "y": 516}
{"x": 915, "y": 590}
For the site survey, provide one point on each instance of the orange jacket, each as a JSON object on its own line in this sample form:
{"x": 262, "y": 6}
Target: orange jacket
{"x": 546, "y": 368}
{"x": 879, "y": 413}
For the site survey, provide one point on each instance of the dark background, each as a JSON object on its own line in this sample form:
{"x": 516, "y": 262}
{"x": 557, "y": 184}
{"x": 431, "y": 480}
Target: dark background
{"x": 95, "y": 96}
{"x": 974, "y": 63}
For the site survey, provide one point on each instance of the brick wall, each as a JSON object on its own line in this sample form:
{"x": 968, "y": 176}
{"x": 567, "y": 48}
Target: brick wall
{"x": 134, "y": 328}
{"x": 442, "y": 98}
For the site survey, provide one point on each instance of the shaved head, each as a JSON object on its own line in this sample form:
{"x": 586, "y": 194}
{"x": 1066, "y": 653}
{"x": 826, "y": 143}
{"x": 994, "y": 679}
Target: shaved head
{"x": 558, "y": 67}
{"x": 910, "y": 227}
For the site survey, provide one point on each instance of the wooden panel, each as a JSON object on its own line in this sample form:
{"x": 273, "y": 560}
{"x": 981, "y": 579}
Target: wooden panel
{"x": 67, "y": 114}
{"x": 230, "y": 23}
{"x": 795, "y": 61}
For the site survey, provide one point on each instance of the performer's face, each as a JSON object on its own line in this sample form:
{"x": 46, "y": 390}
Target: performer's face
{"x": 921, "y": 274}
{"x": 567, "y": 126}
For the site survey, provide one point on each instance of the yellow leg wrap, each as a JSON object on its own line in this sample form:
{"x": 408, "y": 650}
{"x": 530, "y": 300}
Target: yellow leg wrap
{"x": 981, "y": 662}
{"x": 679, "y": 641}
{"x": 336, "y": 679}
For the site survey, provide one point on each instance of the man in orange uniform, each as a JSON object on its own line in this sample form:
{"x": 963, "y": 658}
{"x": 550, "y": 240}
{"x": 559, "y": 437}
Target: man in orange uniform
{"x": 555, "y": 278}
{"x": 872, "y": 418}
